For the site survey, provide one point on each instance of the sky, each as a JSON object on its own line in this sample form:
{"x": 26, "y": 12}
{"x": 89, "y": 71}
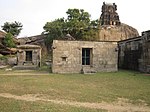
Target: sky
{"x": 34, "y": 14}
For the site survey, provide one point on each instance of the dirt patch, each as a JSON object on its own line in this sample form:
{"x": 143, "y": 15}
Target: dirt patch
{"x": 147, "y": 74}
{"x": 23, "y": 72}
{"x": 120, "y": 106}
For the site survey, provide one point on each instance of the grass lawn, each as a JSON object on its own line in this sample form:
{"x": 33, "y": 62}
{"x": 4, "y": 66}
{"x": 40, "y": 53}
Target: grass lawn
{"x": 91, "y": 88}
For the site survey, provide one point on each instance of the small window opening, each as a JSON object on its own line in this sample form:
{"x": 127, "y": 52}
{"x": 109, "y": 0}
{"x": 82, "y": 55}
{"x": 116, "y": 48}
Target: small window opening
{"x": 64, "y": 58}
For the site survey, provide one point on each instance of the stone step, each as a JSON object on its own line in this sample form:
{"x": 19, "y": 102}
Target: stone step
{"x": 31, "y": 67}
{"x": 3, "y": 66}
{"x": 88, "y": 70}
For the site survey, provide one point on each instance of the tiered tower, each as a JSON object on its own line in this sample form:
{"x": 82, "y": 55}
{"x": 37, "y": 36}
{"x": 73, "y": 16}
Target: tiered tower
{"x": 109, "y": 15}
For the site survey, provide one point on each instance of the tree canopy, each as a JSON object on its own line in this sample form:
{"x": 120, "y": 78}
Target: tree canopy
{"x": 77, "y": 24}
{"x": 8, "y": 41}
{"x": 14, "y": 28}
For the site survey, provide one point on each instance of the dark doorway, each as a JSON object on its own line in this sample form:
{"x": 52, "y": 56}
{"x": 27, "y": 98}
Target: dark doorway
{"x": 86, "y": 56}
{"x": 28, "y": 55}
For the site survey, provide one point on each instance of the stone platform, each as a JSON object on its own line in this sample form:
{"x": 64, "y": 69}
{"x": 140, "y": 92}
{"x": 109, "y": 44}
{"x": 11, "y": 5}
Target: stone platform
{"x": 29, "y": 67}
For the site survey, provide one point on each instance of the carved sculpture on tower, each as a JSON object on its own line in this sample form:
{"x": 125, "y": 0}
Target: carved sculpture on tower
{"x": 109, "y": 15}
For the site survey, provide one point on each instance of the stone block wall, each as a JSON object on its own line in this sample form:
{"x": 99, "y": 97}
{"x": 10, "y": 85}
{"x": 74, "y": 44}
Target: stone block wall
{"x": 145, "y": 58}
{"x": 67, "y": 56}
{"x": 134, "y": 53}
{"x": 130, "y": 51}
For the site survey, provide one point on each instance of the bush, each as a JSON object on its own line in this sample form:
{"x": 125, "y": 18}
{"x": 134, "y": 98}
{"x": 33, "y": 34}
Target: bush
{"x": 8, "y": 41}
{"x": 3, "y": 58}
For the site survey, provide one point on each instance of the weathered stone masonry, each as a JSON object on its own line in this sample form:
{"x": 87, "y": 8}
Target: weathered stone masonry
{"x": 28, "y": 55}
{"x": 84, "y": 56}
{"x": 134, "y": 53}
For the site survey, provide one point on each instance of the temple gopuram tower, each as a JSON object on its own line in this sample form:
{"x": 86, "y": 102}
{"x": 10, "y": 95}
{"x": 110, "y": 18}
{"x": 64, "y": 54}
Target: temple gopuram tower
{"x": 111, "y": 29}
{"x": 109, "y": 15}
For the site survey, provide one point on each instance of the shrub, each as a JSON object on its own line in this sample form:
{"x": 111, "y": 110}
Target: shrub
{"x": 8, "y": 41}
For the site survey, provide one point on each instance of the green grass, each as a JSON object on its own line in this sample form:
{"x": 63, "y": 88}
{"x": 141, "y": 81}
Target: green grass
{"x": 107, "y": 87}
{"x": 10, "y": 105}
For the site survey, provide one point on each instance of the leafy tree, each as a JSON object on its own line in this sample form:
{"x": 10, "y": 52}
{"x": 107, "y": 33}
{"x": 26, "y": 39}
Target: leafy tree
{"x": 54, "y": 30}
{"x": 14, "y": 28}
{"x": 8, "y": 40}
{"x": 77, "y": 21}
{"x": 77, "y": 24}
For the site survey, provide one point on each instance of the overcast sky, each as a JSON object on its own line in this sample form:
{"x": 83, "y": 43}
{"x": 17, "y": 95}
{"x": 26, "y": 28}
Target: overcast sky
{"x": 33, "y": 14}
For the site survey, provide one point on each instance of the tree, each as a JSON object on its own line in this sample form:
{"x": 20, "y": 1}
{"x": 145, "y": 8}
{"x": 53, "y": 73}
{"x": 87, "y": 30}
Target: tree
{"x": 14, "y": 28}
{"x": 77, "y": 24}
{"x": 54, "y": 30}
{"x": 8, "y": 40}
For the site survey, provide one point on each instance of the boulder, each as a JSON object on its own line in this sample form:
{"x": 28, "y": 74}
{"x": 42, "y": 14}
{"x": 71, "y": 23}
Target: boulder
{"x": 35, "y": 40}
{"x": 1, "y": 55}
{"x": 12, "y": 61}
{"x": 117, "y": 33}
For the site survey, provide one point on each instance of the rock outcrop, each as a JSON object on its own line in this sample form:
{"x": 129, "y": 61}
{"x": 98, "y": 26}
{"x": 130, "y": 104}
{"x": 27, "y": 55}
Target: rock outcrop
{"x": 3, "y": 49}
{"x": 40, "y": 40}
{"x": 116, "y": 33}
{"x": 35, "y": 40}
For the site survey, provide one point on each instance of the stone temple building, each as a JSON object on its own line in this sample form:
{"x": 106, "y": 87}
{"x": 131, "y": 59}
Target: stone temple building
{"x": 134, "y": 53}
{"x": 84, "y": 56}
{"x": 109, "y": 15}
{"x": 89, "y": 56}
{"x": 28, "y": 57}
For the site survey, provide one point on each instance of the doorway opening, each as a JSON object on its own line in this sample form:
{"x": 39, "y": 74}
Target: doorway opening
{"x": 28, "y": 55}
{"x": 86, "y": 56}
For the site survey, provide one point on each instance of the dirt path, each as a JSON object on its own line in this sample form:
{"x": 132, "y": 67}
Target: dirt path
{"x": 119, "y": 106}
{"x": 24, "y": 72}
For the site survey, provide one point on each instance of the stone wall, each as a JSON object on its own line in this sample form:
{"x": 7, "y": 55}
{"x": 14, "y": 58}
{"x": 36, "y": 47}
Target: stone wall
{"x": 144, "y": 62}
{"x": 134, "y": 53}
{"x": 130, "y": 51}
{"x": 67, "y": 56}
